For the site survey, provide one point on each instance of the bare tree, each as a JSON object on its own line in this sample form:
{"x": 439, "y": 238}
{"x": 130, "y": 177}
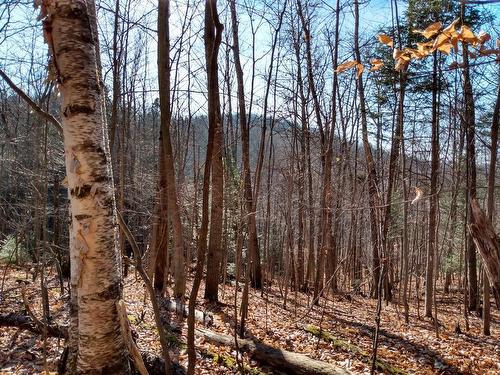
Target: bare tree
{"x": 166, "y": 145}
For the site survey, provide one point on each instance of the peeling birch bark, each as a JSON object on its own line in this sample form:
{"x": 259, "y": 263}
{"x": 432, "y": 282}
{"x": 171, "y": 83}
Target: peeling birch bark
{"x": 488, "y": 244}
{"x": 95, "y": 261}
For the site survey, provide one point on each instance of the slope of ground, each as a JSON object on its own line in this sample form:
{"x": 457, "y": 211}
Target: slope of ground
{"x": 346, "y": 320}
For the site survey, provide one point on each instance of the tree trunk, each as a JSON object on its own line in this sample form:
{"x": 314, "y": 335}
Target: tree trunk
{"x": 159, "y": 250}
{"x": 304, "y": 157}
{"x": 95, "y": 267}
{"x": 213, "y": 36}
{"x": 214, "y": 256}
{"x": 488, "y": 244}
{"x": 393, "y": 166}
{"x": 253, "y": 243}
{"x": 373, "y": 196}
{"x": 433, "y": 200}
{"x": 165, "y": 118}
{"x": 469, "y": 123}
{"x": 327, "y": 146}
{"x": 491, "y": 208}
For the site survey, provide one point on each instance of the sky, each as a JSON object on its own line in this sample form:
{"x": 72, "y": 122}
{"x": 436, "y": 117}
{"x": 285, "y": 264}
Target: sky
{"x": 23, "y": 32}
{"x": 21, "y": 40}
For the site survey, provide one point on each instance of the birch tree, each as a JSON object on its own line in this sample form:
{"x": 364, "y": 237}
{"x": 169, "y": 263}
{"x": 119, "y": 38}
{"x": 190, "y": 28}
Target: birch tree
{"x": 95, "y": 338}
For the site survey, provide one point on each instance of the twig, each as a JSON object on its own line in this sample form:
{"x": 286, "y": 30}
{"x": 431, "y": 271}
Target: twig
{"x": 377, "y": 321}
{"x": 149, "y": 286}
{"x": 47, "y": 116}
{"x": 127, "y": 335}
{"x": 320, "y": 294}
{"x": 35, "y": 320}
{"x": 25, "y": 322}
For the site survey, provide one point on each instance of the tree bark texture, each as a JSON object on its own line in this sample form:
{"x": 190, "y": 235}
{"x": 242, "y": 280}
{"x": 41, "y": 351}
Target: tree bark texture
{"x": 491, "y": 208}
{"x": 96, "y": 273}
{"x": 165, "y": 118}
{"x": 373, "y": 196}
{"x": 433, "y": 200}
{"x": 253, "y": 243}
{"x": 213, "y": 39}
{"x": 488, "y": 245}
{"x": 213, "y": 36}
{"x": 469, "y": 123}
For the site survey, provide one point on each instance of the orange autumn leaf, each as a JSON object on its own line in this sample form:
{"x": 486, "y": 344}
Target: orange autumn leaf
{"x": 401, "y": 64}
{"x": 417, "y": 54}
{"x": 467, "y": 35}
{"x": 386, "y": 39}
{"x": 440, "y": 39}
{"x": 406, "y": 54}
{"x": 430, "y": 30}
{"x": 425, "y": 46}
{"x": 445, "y": 48}
{"x": 419, "y": 194}
{"x": 376, "y": 64}
{"x": 483, "y": 37}
{"x": 423, "y": 49}
{"x": 450, "y": 29}
{"x": 347, "y": 65}
{"x": 359, "y": 69}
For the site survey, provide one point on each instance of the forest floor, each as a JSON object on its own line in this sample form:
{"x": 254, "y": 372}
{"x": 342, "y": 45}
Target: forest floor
{"x": 348, "y": 320}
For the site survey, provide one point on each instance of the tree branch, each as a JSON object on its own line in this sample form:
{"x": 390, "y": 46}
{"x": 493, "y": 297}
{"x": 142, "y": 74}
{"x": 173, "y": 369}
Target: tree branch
{"x": 149, "y": 286}
{"x": 47, "y": 116}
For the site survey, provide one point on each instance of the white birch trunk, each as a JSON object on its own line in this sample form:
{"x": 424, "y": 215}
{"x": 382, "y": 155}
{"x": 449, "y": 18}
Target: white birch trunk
{"x": 96, "y": 277}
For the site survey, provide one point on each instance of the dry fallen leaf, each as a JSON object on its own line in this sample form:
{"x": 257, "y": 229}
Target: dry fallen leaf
{"x": 419, "y": 193}
{"x": 467, "y": 35}
{"x": 345, "y": 66}
{"x": 359, "y": 69}
{"x": 416, "y": 54}
{"x": 445, "y": 48}
{"x": 425, "y": 46}
{"x": 406, "y": 54}
{"x": 396, "y": 53}
{"x": 376, "y": 64}
{"x": 440, "y": 40}
{"x": 386, "y": 39}
{"x": 401, "y": 64}
{"x": 450, "y": 29}
{"x": 430, "y": 30}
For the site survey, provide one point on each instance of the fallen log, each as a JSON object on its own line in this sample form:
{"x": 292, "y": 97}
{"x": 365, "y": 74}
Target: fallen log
{"x": 488, "y": 244}
{"x": 289, "y": 362}
{"x": 153, "y": 364}
{"x": 179, "y": 308}
{"x": 292, "y": 363}
{"x": 25, "y": 322}
{"x": 230, "y": 363}
{"x": 365, "y": 357}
